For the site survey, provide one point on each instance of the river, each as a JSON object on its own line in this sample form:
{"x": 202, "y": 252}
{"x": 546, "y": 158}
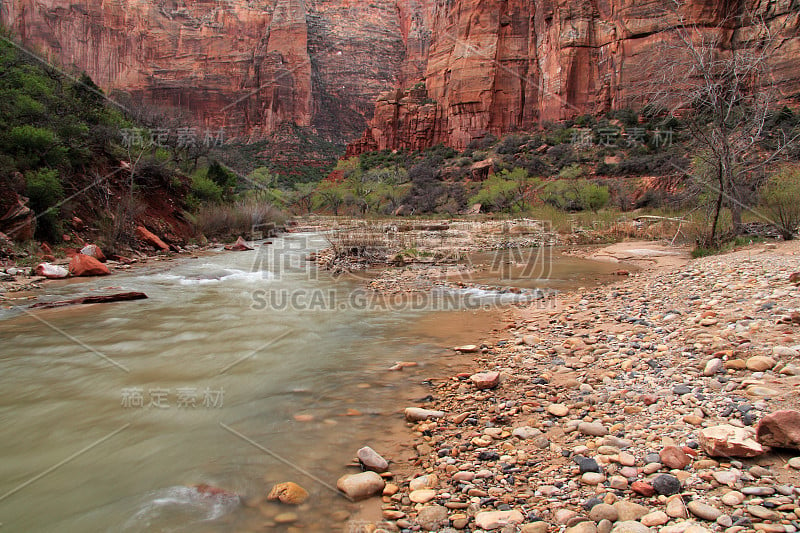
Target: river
{"x": 240, "y": 370}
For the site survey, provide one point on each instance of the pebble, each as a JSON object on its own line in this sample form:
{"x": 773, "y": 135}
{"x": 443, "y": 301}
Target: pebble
{"x": 497, "y": 519}
{"x": 703, "y": 510}
{"x": 666, "y": 484}
{"x": 594, "y": 429}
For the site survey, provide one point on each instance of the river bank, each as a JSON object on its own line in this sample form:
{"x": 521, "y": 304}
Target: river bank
{"x": 605, "y": 408}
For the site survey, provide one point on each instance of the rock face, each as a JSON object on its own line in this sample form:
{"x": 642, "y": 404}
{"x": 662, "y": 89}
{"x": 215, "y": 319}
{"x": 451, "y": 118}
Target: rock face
{"x": 780, "y": 429}
{"x": 442, "y": 71}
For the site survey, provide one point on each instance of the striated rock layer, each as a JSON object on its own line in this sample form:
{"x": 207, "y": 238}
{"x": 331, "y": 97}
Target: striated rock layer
{"x": 441, "y": 70}
{"x": 497, "y": 66}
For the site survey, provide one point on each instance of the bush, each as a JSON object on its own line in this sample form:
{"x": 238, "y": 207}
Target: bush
{"x": 576, "y": 195}
{"x": 205, "y": 189}
{"x": 231, "y": 220}
{"x": 593, "y": 196}
{"x": 511, "y": 144}
{"x": 780, "y": 196}
{"x": 44, "y": 190}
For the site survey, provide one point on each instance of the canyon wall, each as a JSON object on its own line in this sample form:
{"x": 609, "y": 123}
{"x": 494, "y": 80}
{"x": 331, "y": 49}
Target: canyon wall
{"x": 405, "y": 73}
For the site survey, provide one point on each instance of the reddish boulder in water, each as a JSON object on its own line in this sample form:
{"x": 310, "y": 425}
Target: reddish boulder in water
{"x": 50, "y": 271}
{"x": 150, "y": 238}
{"x": 780, "y": 429}
{"x": 239, "y": 246}
{"x": 84, "y": 265}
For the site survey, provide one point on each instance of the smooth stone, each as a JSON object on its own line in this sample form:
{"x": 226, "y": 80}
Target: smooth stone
{"x": 630, "y": 527}
{"x": 760, "y": 363}
{"x": 286, "y": 518}
{"x": 361, "y": 486}
{"x": 417, "y": 414}
{"x": 422, "y": 495}
{"x": 763, "y": 513}
{"x": 289, "y": 493}
{"x": 535, "y": 527}
{"x": 676, "y": 508}
{"x": 372, "y": 460}
{"x": 558, "y": 409}
{"x": 592, "y": 478}
{"x": 485, "y": 380}
{"x": 628, "y": 511}
{"x": 732, "y": 498}
{"x": 497, "y": 519}
{"x": 582, "y": 527}
{"x": 432, "y": 517}
{"x": 603, "y": 511}
{"x": 592, "y": 429}
{"x": 526, "y": 432}
{"x": 674, "y": 457}
{"x": 424, "y": 482}
{"x": 666, "y": 484}
{"x": 703, "y": 510}
{"x": 656, "y": 518}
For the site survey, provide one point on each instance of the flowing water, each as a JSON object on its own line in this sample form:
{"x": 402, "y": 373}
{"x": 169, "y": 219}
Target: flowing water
{"x": 241, "y": 370}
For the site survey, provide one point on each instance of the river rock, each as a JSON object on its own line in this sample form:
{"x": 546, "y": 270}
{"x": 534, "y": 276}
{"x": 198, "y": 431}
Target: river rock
{"x": 92, "y": 250}
{"x": 418, "y": 414}
{"x": 593, "y": 429}
{"x": 676, "y": 508}
{"x": 628, "y": 511}
{"x": 239, "y": 246}
{"x": 603, "y": 511}
{"x": 467, "y": 348}
{"x": 558, "y": 409}
{"x": 497, "y": 519}
{"x": 432, "y": 517}
{"x": 666, "y": 484}
{"x": 425, "y": 482}
{"x": 526, "y": 432}
{"x": 780, "y": 429}
{"x": 760, "y": 363}
{"x": 84, "y": 265}
{"x": 289, "y": 492}
{"x": 50, "y": 271}
{"x": 422, "y": 495}
{"x": 582, "y": 527}
{"x": 361, "y": 486}
{"x": 630, "y": 526}
{"x": 728, "y": 441}
{"x": 372, "y": 460}
{"x": 713, "y": 366}
{"x": 732, "y": 498}
{"x": 485, "y": 380}
{"x": 674, "y": 457}
{"x": 703, "y": 510}
{"x": 656, "y": 518}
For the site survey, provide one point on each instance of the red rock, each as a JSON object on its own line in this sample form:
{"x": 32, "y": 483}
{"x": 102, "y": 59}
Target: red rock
{"x": 45, "y": 248}
{"x": 649, "y": 399}
{"x": 50, "y": 271}
{"x": 485, "y": 380}
{"x": 780, "y": 429}
{"x": 147, "y": 236}
{"x": 17, "y": 220}
{"x": 84, "y": 265}
{"x": 239, "y": 246}
{"x": 643, "y": 488}
{"x": 728, "y": 441}
{"x": 92, "y": 250}
{"x": 795, "y": 277}
{"x": 622, "y": 273}
{"x": 674, "y": 457}
{"x": 217, "y": 493}
{"x": 77, "y": 223}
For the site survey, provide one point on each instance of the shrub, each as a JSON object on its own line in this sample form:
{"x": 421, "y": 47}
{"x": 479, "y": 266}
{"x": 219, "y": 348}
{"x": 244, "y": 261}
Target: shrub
{"x": 512, "y": 144}
{"x": 230, "y": 220}
{"x": 205, "y": 189}
{"x": 593, "y": 196}
{"x": 780, "y": 196}
{"x": 44, "y": 190}
{"x": 576, "y": 195}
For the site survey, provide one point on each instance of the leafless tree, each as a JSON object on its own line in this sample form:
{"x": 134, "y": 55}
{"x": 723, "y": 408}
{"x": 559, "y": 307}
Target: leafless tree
{"x": 716, "y": 79}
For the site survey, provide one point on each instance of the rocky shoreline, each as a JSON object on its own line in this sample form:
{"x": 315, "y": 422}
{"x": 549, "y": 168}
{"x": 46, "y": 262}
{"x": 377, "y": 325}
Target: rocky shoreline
{"x": 631, "y": 407}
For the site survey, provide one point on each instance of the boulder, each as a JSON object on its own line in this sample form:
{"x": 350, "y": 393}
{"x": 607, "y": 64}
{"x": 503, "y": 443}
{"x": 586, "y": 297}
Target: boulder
{"x": 361, "y": 486}
{"x": 729, "y": 441}
{"x": 92, "y": 250}
{"x": 239, "y": 246}
{"x": 289, "y": 492}
{"x": 780, "y": 429}
{"x": 372, "y": 460}
{"x": 485, "y": 380}
{"x": 50, "y": 271}
{"x": 143, "y": 234}
{"x": 84, "y": 265}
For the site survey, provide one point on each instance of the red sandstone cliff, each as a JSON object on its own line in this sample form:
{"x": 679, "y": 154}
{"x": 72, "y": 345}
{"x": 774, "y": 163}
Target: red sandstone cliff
{"x": 489, "y": 66}
{"x": 496, "y": 66}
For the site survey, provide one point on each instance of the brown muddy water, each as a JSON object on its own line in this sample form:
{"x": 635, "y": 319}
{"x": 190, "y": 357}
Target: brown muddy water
{"x": 240, "y": 371}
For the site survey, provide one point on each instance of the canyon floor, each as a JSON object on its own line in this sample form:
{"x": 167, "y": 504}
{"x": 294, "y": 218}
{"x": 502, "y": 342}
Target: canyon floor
{"x": 627, "y": 407}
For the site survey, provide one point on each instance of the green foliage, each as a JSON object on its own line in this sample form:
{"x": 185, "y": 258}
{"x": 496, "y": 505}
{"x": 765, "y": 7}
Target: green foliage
{"x": 780, "y": 197}
{"x": 205, "y": 189}
{"x": 45, "y": 192}
{"x": 576, "y": 195}
{"x": 508, "y": 190}
{"x": 571, "y": 172}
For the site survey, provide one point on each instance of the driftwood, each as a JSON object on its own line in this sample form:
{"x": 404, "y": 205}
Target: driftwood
{"x": 118, "y": 297}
